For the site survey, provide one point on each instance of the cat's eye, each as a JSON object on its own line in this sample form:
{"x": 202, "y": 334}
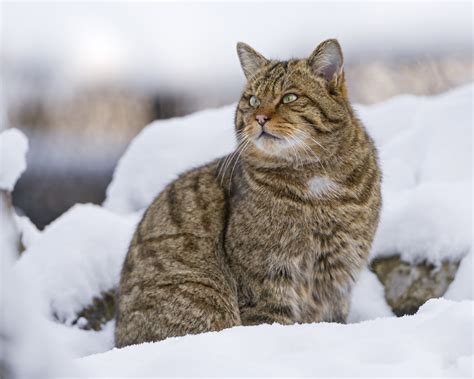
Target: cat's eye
{"x": 288, "y": 98}
{"x": 254, "y": 102}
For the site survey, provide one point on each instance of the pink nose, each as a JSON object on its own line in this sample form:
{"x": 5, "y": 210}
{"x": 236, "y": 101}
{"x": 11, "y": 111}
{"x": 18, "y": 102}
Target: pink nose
{"x": 262, "y": 119}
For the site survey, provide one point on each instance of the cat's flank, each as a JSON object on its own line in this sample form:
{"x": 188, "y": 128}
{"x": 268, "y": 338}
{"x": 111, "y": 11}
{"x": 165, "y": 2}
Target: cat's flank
{"x": 278, "y": 231}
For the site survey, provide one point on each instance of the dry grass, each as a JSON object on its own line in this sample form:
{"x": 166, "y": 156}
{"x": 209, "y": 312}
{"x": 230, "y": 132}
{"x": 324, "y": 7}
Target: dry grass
{"x": 378, "y": 80}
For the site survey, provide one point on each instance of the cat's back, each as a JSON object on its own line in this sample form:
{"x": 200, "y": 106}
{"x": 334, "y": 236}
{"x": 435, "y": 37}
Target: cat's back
{"x": 194, "y": 202}
{"x": 192, "y": 207}
{"x": 175, "y": 252}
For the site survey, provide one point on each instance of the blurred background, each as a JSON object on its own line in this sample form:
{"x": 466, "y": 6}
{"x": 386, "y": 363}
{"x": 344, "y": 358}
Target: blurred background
{"x": 82, "y": 79}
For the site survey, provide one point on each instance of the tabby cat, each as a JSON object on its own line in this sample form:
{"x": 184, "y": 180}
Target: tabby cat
{"x": 277, "y": 231}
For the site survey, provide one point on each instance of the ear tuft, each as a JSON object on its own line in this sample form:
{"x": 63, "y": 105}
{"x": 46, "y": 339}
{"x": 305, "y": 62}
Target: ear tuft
{"x": 250, "y": 60}
{"x": 327, "y": 60}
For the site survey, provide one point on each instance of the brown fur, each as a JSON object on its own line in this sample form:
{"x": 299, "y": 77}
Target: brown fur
{"x": 277, "y": 231}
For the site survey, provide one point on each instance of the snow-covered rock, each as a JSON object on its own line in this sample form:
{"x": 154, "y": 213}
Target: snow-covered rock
{"x": 409, "y": 285}
{"x": 431, "y": 221}
{"x": 77, "y": 257}
{"x": 434, "y": 342}
{"x": 427, "y": 185}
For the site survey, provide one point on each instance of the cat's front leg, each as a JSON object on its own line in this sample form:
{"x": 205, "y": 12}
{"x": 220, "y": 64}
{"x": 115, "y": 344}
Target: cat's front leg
{"x": 267, "y": 314}
{"x": 270, "y": 304}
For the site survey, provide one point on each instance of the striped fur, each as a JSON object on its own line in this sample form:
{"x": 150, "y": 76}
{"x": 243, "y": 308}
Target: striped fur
{"x": 277, "y": 231}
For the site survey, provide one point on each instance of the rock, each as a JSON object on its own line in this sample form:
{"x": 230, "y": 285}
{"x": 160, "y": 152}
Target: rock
{"x": 408, "y": 286}
{"x": 97, "y": 314}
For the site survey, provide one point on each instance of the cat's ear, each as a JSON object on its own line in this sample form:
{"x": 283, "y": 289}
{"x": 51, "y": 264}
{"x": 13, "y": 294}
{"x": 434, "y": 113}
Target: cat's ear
{"x": 327, "y": 61}
{"x": 250, "y": 60}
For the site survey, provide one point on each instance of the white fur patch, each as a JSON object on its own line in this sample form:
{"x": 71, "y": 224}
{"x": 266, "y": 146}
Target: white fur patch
{"x": 321, "y": 186}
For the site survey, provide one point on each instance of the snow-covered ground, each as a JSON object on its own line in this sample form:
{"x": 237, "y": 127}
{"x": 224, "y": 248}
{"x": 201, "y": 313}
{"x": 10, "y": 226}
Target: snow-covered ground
{"x": 431, "y": 343}
{"x": 425, "y": 147}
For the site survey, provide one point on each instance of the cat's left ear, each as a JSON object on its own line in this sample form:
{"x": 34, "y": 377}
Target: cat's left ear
{"x": 250, "y": 60}
{"x": 327, "y": 61}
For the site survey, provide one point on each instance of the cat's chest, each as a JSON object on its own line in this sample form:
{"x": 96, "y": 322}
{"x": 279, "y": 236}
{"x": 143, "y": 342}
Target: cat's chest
{"x": 266, "y": 227}
{"x": 276, "y": 230}
{"x": 283, "y": 245}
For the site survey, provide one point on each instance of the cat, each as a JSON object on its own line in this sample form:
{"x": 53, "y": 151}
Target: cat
{"x": 276, "y": 232}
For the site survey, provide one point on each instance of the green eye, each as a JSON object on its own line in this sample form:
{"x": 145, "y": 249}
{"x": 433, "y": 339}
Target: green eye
{"x": 289, "y": 98}
{"x": 254, "y": 102}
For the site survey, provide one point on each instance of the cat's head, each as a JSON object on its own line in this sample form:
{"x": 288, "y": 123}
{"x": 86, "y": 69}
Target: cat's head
{"x": 294, "y": 110}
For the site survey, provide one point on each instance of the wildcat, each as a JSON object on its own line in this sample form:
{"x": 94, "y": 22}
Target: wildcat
{"x": 275, "y": 232}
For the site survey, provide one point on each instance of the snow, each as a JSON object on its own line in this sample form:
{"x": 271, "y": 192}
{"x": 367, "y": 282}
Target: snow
{"x": 430, "y": 221}
{"x": 77, "y": 257}
{"x": 23, "y": 327}
{"x": 29, "y": 232}
{"x": 434, "y": 342}
{"x": 13, "y": 148}
{"x": 163, "y": 150}
{"x": 427, "y": 189}
{"x": 368, "y": 301}
{"x": 22, "y": 323}
{"x": 10, "y": 235}
{"x": 463, "y": 285}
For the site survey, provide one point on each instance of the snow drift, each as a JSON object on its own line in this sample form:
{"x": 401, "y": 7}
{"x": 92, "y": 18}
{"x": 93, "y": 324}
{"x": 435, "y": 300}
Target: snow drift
{"x": 431, "y": 343}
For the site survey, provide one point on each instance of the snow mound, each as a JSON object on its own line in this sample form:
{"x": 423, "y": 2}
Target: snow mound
{"x": 13, "y": 148}
{"x": 165, "y": 149}
{"x": 427, "y": 169}
{"x": 368, "y": 299}
{"x": 23, "y": 327}
{"x": 429, "y": 221}
{"x": 434, "y": 342}
{"x": 76, "y": 258}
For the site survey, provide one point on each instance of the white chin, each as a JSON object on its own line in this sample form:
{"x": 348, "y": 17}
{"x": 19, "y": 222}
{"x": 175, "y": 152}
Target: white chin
{"x": 272, "y": 146}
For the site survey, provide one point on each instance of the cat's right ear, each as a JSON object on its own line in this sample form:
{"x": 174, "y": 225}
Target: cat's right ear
{"x": 250, "y": 60}
{"x": 327, "y": 61}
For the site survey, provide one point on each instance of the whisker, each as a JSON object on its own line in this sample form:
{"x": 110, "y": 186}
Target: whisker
{"x": 308, "y": 149}
{"x": 296, "y": 153}
{"x": 229, "y": 159}
{"x": 229, "y": 162}
{"x": 319, "y": 144}
{"x": 247, "y": 142}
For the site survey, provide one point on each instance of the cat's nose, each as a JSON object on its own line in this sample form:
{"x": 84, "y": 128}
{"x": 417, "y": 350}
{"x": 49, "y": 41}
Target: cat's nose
{"x": 262, "y": 119}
